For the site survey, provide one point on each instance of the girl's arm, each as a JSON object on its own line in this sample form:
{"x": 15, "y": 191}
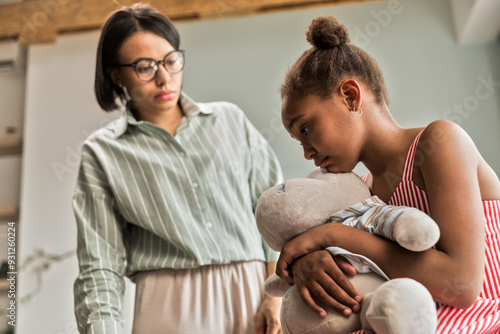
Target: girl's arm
{"x": 447, "y": 166}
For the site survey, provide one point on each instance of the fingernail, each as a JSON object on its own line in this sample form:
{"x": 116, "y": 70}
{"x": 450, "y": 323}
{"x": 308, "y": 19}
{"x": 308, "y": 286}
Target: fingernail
{"x": 347, "y": 312}
{"x": 358, "y": 298}
{"x": 356, "y": 308}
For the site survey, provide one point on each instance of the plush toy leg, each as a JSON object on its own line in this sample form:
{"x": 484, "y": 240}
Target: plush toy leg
{"x": 399, "y": 306}
{"x": 416, "y": 231}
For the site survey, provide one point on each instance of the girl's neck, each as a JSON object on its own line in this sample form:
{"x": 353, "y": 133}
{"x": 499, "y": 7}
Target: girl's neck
{"x": 386, "y": 143}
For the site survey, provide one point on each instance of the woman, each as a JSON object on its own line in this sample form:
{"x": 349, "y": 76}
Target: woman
{"x": 166, "y": 195}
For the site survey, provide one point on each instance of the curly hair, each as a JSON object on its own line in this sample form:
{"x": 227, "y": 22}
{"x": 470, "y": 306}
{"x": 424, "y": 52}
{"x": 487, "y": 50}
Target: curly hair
{"x": 321, "y": 69}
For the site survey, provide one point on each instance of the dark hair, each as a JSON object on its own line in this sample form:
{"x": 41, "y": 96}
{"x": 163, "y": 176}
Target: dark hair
{"x": 120, "y": 25}
{"x": 321, "y": 69}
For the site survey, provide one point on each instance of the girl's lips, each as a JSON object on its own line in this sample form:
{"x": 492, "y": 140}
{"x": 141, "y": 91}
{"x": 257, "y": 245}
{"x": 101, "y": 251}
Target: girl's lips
{"x": 323, "y": 163}
{"x": 165, "y": 95}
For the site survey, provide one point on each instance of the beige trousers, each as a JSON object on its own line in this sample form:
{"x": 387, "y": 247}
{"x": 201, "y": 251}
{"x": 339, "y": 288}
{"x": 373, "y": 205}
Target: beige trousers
{"x": 218, "y": 299}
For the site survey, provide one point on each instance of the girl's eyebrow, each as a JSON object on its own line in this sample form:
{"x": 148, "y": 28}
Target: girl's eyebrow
{"x": 290, "y": 125}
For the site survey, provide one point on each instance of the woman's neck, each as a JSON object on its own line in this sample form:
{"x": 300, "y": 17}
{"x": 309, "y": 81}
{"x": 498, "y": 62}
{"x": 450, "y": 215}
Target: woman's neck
{"x": 168, "y": 120}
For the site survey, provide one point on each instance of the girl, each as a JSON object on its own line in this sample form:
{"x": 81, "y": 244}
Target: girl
{"x": 166, "y": 194}
{"x": 335, "y": 104}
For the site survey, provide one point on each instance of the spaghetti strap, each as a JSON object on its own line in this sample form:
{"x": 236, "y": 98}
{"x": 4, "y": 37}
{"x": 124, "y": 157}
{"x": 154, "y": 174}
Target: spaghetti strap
{"x": 408, "y": 193}
{"x": 410, "y": 159}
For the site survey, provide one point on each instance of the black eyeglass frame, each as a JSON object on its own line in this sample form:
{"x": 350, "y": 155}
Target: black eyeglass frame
{"x": 158, "y": 62}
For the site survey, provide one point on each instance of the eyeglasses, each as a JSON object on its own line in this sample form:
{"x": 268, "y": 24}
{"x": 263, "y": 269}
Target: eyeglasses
{"x": 147, "y": 68}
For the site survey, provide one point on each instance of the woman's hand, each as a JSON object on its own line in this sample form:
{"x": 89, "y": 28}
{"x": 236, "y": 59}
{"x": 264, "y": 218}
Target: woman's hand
{"x": 321, "y": 275}
{"x": 267, "y": 319}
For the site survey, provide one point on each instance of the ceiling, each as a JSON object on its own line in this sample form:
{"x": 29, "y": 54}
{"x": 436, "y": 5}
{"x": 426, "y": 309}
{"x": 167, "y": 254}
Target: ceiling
{"x": 476, "y": 21}
{"x": 40, "y": 21}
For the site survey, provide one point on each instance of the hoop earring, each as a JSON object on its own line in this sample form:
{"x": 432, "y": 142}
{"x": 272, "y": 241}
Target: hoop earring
{"x": 356, "y": 113}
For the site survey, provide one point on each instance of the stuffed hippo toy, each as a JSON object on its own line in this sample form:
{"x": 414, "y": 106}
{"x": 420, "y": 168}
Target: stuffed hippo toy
{"x": 389, "y": 306}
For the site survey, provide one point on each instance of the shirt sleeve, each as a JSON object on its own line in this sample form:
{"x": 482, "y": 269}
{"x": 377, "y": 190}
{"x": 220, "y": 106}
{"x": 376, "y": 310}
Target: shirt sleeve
{"x": 99, "y": 287}
{"x": 265, "y": 172}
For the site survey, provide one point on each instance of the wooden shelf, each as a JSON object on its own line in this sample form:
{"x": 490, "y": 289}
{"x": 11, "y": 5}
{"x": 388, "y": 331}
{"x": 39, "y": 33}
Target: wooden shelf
{"x": 11, "y": 145}
{"x": 9, "y": 214}
{"x": 4, "y": 285}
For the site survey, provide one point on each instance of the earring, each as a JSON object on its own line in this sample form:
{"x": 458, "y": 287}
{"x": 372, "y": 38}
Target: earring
{"x": 125, "y": 91}
{"x": 356, "y": 112}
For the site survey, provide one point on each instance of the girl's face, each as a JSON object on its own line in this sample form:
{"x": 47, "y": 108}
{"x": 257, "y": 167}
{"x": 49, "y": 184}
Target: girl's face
{"x": 327, "y": 130}
{"x": 158, "y": 95}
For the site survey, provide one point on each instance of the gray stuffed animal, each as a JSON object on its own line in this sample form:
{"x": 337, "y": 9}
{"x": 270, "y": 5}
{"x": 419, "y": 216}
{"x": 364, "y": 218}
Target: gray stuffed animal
{"x": 389, "y": 306}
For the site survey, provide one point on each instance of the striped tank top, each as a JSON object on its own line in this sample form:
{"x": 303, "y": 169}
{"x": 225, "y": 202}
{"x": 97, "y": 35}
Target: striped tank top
{"x": 483, "y": 317}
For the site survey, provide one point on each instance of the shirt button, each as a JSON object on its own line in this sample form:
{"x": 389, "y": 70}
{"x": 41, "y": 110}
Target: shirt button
{"x": 195, "y": 185}
{"x": 209, "y": 224}
{"x": 182, "y": 154}
{"x": 226, "y": 261}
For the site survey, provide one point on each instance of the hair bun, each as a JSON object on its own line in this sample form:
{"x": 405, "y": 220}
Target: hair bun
{"x": 325, "y": 32}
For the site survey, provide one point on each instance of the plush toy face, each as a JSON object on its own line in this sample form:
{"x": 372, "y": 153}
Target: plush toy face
{"x": 297, "y": 205}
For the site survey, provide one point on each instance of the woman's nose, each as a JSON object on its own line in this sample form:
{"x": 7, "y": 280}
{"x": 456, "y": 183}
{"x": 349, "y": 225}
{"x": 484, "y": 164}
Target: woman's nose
{"x": 162, "y": 76}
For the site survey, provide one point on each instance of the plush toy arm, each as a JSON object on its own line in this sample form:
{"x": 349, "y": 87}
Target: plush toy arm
{"x": 411, "y": 228}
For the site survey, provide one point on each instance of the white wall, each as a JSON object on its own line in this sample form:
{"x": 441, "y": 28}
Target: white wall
{"x": 11, "y": 115}
{"x": 242, "y": 60}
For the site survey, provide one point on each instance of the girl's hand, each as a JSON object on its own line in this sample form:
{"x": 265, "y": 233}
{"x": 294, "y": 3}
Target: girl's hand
{"x": 299, "y": 246}
{"x": 267, "y": 320}
{"x": 321, "y": 275}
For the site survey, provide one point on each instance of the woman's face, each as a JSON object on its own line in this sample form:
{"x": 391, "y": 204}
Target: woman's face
{"x": 326, "y": 129}
{"x": 158, "y": 95}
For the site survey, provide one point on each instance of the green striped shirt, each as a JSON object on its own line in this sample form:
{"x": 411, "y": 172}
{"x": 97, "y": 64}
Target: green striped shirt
{"x": 146, "y": 200}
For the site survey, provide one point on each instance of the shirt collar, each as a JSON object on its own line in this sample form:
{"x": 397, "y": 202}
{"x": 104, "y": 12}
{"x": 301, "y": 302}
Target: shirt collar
{"x": 189, "y": 107}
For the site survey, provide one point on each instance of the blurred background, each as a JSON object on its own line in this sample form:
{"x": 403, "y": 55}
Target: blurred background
{"x": 441, "y": 60}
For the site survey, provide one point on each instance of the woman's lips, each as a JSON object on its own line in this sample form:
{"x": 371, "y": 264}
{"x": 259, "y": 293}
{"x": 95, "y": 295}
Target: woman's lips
{"x": 167, "y": 95}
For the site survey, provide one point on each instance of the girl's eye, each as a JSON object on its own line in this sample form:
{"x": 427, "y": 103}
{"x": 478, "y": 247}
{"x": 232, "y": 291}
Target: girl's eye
{"x": 305, "y": 131}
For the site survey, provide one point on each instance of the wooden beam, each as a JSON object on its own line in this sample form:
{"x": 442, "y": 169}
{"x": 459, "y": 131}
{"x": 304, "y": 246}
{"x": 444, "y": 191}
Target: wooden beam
{"x": 9, "y": 214}
{"x": 38, "y": 21}
{"x": 10, "y": 145}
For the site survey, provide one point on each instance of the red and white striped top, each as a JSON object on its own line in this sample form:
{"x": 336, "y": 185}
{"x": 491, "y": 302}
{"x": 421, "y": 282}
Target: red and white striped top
{"x": 407, "y": 193}
{"x": 484, "y": 316}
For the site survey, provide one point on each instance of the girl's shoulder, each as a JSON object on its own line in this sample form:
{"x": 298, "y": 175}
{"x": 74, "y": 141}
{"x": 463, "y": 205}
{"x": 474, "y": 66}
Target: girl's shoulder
{"x": 442, "y": 135}
{"x": 442, "y": 130}
{"x": 445, "y": 148}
